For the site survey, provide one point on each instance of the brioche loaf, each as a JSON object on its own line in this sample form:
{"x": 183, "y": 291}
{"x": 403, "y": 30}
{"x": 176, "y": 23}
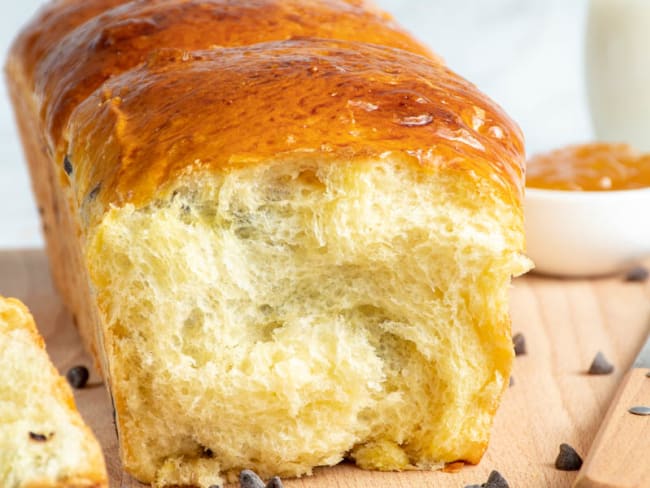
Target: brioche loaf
{"x": 284, "y": 251}
{"x": 44, "y": 442}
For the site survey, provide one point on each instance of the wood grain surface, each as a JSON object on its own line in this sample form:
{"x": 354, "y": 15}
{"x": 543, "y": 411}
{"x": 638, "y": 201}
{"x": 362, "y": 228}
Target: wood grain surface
{"x": 552, "y": 400}
{"x": 619, "y": 454}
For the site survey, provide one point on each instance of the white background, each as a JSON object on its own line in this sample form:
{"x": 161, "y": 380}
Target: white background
{"x": 526, "y": 54}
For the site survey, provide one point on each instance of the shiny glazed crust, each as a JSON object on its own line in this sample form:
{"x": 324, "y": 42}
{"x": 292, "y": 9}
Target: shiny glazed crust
{"x": 337, "y": 99}
{"x": 73, "y": 47}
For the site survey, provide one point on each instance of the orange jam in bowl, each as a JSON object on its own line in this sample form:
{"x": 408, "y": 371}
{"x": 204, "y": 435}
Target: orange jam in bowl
{"x": 589, "y": 167}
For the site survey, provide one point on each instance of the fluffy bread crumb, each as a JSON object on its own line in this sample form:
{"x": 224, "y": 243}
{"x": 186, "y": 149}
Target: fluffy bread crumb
{"x": 43, "y": 440}
{"x": 286, "y": 315}
{"x": 381, "y": 455}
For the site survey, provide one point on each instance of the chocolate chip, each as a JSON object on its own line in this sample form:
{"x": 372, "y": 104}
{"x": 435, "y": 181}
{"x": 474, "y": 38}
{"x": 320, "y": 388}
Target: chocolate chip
{"x": 206, "y": 452}
{"x": 637, "y": 274}
{"x": 568, "y": 459}
{"x": 519, "y": 342}
{"x": 39, "y": 437}
{"x": 274, "y": 482}
{"x": 600, "y": 365}
{"x": 93, "y": 193}
{"x": 639, "y": 410}
{"x": 495, "y": 480}
{"x": 511, "y": 382}
{"x": 77, "y": 376}
{"x": 67, "y": 165}
{"x": 249, "y": 479}
{"x": 214, "y": 486}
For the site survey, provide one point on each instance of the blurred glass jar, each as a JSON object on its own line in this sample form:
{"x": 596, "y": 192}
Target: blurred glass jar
{"x": 618, "y": 70}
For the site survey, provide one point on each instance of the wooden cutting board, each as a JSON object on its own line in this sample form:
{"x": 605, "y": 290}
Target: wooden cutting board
{"x": 552, "y": 400}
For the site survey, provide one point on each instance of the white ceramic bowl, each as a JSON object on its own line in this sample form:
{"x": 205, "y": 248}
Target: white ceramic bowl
{"x": 580, "y": 234}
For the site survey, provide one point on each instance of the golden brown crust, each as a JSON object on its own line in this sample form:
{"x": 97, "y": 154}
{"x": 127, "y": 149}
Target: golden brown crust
{"x": 223, "y": 108}
{"x": 16, "y": 313}
{"x": 60, "y": 226}
{"x": 72, "y": 49}
{"x": 52, "y": 23}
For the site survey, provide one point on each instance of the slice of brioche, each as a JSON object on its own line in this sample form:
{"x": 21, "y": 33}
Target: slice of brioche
{"x": 43, "y": 439}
